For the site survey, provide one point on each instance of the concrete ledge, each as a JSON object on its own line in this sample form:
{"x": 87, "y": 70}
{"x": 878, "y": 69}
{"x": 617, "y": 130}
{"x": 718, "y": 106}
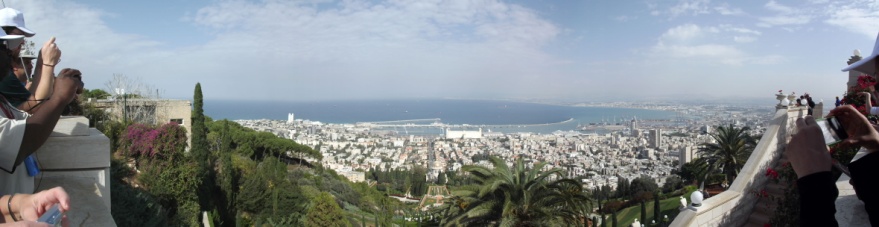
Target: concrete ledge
{"x": 100, "y": 178}
{"x": 75, "y": 152}
{"x": 71, "y": 126}
{"x": 86, "y": 205}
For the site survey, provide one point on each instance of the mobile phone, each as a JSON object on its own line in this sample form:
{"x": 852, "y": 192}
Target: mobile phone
{"x": 52, "y": 216}
{"x": 832, "y": 130}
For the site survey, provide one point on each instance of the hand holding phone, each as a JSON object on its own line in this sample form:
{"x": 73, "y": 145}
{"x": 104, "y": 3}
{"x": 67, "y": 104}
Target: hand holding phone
{"x": 52, "y": 216}
{"x": 857, "y": 128}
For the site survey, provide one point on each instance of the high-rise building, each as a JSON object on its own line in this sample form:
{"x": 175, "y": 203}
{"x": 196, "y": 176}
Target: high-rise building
{"x": 686, "y": 156}
{"x": 633, "y": 126}
{"x": 655, "y": 138}
{"x": 290, "y": 118}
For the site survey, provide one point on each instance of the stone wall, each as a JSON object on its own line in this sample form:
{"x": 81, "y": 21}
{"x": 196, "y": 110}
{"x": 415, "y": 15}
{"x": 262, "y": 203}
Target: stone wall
{"x": 733, "y": 206}
{"x": 77, "y": 158}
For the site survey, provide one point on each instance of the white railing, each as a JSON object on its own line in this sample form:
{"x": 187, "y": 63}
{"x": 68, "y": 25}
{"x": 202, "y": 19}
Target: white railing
{"x": 77, "y": 158}
{"x": 733, "y": 206}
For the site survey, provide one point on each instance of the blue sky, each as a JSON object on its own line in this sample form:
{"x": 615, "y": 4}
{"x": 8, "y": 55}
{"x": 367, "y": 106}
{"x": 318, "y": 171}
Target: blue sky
{"x": 555, "y": 50}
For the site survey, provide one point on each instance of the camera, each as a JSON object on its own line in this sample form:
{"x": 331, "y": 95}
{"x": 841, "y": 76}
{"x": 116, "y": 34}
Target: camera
{"x": 52, "y": 216}
{"x": 832, "y": 130}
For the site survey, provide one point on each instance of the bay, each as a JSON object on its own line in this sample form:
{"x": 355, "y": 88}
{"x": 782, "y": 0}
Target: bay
{"x": 507, "y": 116}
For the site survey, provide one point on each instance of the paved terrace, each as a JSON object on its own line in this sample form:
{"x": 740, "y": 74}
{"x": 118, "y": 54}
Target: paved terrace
{"x": 737, "y": 205}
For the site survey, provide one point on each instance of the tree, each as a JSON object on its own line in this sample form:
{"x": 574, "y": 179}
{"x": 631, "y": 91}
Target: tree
{"x": 672, "y": 182}
{"x": 642, "y": 188}
{"x": 613, "y": 219}
{"x": 94, "y": 94}
{"x": 729, "y": 152}
{"x": 603, "y": 220}
{"x": 133, "y": 110}
{"x": 643, "y": 212}
{"x": 325, "y": 212}
{"x": 200, "y": 152}
{"x": 517, "y": 196}
{"x": 656, "y": 208}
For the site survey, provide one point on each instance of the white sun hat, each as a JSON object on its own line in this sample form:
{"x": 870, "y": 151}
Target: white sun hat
{"x": 14, "y": 18}
{"x": 866, "y": 64}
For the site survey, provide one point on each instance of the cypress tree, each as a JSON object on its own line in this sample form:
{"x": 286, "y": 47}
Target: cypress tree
{"x": 199, "y": 150}
{"x": 656, "y": 209}
{"x": 643, "y": 212}
{"x": 603, "y": 220}
{"x": 594, "y": 221}
{"x": 613, "y": 219}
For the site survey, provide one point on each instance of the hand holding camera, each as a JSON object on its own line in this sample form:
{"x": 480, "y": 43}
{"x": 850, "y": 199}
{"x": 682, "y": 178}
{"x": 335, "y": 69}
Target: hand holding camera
{"x": 860, "y": 131}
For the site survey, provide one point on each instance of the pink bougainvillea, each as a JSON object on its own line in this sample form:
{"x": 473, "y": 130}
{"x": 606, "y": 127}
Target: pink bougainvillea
{"x": 143, "y": 140}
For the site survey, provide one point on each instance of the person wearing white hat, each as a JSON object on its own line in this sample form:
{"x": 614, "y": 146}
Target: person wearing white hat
{"x": 21, "y": 134}
{"x": 24, "y": 94}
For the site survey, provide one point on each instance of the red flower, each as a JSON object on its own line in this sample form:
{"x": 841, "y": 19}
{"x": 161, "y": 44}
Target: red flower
{"x": 763, "y": 193}
{"x": 771, "y": 173}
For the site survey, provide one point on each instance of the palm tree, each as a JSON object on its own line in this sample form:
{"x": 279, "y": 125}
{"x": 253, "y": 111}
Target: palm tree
{"x": 729, "y": 152}
{"x": 517, "y": 196}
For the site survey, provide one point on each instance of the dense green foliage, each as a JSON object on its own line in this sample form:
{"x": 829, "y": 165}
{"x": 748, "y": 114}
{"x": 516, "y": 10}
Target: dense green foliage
{"x": 325, "y": 212}
{"x": 517, "y": 196}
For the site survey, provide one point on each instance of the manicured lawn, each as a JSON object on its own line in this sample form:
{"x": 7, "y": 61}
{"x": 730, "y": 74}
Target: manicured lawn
{"x": 627, "y": 215}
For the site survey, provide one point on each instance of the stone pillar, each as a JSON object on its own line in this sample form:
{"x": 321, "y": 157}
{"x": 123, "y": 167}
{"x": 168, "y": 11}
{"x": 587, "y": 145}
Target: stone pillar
{"x": 852, "y": 74}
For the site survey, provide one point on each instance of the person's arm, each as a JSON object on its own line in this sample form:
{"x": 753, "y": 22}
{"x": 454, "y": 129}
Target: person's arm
{"x": 44, "y": 76}
{"x": 810, "y": 160}
{"x": 40, "y": 125}
{"x": 866, "y": 183}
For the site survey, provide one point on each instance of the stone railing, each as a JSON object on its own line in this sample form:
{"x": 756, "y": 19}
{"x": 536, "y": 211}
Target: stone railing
{"x": 77, "y": 158}
{"x": 733, "y": 206}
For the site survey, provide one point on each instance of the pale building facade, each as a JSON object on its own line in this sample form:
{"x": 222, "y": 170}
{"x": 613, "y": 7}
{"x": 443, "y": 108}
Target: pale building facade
{"x": 151, "y": 111}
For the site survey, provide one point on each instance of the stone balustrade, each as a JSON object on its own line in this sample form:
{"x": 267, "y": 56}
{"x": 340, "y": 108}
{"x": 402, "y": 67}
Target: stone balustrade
{"x": 77, "y": 158}
{"x": 733, "y": 206}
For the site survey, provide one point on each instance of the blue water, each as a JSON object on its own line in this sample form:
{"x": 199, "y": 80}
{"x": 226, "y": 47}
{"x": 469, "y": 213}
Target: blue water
{"x": 472, "y": 112}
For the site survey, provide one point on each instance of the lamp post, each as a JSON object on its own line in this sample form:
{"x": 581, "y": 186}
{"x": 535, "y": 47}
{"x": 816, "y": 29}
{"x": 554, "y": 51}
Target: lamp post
{"x": 121, "y": 91}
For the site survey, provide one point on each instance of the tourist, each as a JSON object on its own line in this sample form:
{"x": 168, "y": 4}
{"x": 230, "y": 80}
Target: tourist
{"x": 810, "y": 103}
{"x": 812, "y": 163}
{"x": 19, "y": 90}
{"x": 21, "y": 134}
{"x": 27, "y": 208}
{"x": 837, "y": 101}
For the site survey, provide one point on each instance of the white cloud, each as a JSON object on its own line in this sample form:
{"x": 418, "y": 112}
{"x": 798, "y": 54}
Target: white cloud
{"x": 775, "y": 6}
{"x": 785, "y": 16}
{"x": 862, "y": 20}
{"x": 689, "y": 7}
{"x": 278, "y": 49}
{"x": 726, "y": 10}
{"x": 781, "y": 20}
{"x": 704, "y": 50}
{"x": 682, "y": 33}
{"x": 693, "y": 43}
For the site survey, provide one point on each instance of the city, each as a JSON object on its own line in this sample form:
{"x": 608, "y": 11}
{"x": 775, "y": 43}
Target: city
{"x": 656, "y": 148}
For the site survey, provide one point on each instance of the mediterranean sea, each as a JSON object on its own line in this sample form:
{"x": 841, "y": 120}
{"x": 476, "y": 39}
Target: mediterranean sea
{"x": 505, "y": 116}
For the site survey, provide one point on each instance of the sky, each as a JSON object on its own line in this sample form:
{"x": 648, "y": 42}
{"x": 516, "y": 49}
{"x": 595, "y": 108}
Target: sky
{"x": 483, "y": 49}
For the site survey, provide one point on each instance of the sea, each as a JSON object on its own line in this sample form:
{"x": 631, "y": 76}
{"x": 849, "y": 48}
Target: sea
{"x": 491, "y": 115}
